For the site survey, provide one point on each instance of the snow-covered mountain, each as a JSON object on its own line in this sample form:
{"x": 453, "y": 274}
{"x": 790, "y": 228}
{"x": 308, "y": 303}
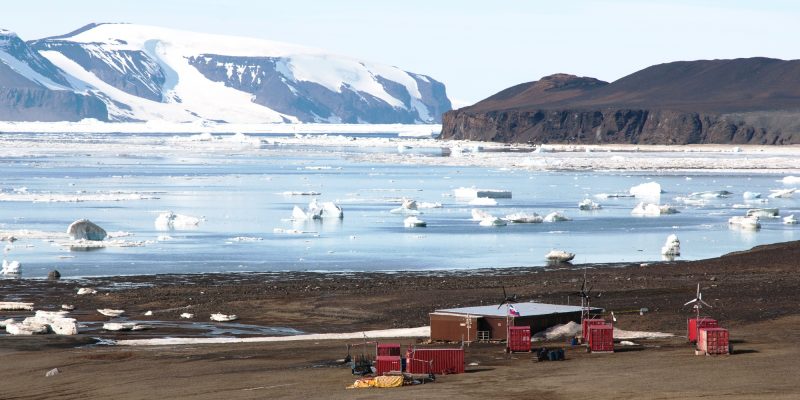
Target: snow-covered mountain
{"x": 32, "y": 88}
{"x": 132, "y": 72}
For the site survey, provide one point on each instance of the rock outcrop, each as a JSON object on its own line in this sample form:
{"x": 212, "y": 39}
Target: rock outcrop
{"x": 742, "y": 101}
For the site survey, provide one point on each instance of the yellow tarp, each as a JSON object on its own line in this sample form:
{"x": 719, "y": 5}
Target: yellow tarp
{"x": 378, "y": 382}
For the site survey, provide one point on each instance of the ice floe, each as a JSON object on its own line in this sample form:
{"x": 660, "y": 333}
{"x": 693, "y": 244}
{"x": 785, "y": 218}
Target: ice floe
{"x": 588, "y": 205}
{"x": 492, "y": 221}
{"x": 523, "y": 218}
{"x": 790, "y": 220}
{"x": 78, "y": 197}
{"x": 748, "y": 223}
{"x": 649, "y": 209}
{"x": 187, "y": 315}
{"x": 483, "y": 201}
{"x": 556, "y": 216}
{"x": 43, "y": 322}
{"x": 414, "y": 222}
{"x": 168, "y": 221}
{"x": 672, "y": 247}
{"x": 11, "y": 268}
{"x": 649, "y": 190}
{"x": 308, "y": 193}
{"x": 763, "y": 212}
{"x": 790, "y": 180}
{"x": 782, "y": 193}
{"x": 473, "y": 193}
{"x": 751, "y": 195}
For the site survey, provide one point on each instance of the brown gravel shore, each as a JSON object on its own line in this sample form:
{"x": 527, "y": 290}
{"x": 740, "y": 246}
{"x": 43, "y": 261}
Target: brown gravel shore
{"x": 752, "y": 292}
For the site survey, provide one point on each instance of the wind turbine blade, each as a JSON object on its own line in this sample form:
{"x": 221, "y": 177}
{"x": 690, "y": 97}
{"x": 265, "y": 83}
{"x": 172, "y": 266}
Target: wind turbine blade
{"x": 689, "y": 302}
{"x": 706, "y": 304}
{"x": 698, "y": 291}
{"x": 504, "y": 293}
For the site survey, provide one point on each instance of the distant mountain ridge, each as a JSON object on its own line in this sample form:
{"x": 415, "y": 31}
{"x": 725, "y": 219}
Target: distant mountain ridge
{"x": 748, "y": 100}
{"x": 125, "y": 72}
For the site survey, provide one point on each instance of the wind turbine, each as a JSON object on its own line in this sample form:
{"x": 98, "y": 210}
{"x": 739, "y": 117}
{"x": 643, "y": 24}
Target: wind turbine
{"x": 585, "y": 296}
{"x": 506, "y": 301}
{"x": 698, "y": 304}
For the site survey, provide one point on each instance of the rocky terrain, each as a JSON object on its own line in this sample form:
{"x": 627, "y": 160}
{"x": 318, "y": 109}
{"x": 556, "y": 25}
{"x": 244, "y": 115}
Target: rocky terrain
{"x": 741, "y": 101}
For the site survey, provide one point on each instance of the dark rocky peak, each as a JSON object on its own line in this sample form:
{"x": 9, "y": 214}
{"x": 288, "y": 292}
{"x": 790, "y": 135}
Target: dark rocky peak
{"x": 11, "y": 44}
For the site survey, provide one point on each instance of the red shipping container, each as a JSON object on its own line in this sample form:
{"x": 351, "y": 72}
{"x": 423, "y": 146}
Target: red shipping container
{"x": 695, "y": 324}
{"x": 586, "y": 323}
{"x": 436, "y": 361}
{"x": 520, "y": 338}
{"x": 388, "y": 349}
{"x": 384, "y": 364}
{"x": 601, "y": 338}
{"x": 713, "y": 341}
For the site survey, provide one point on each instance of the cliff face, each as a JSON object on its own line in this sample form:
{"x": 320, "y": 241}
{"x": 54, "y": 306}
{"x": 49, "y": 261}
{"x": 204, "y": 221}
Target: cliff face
{"x": 743, "y": 101}
{"x": 635, "y": 126}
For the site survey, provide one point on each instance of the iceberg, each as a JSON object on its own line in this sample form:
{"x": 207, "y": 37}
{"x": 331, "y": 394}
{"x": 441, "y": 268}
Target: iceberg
{"x": 331, "y": 209}
{"x": 710, "y": 194}
{"x": 424, "y": 204}
{"x": 646, "y": 190}
{"x": 649, "y": 209}
{"x": 414, "y": 222}
{"x": 408, "y": 206}
{"x": 523, "y": 218}
{"x": 83, "y": 229}
{"x": 11, "y": 268}
{"x": 763, "y": 212}
{"x": 492, "y": 221}
{"x": 672, "y": 247}
{"x": 480, "y": 215}
{"x": 790, "y": 180}
{"x": 559, "y": 256}
{"x": 588, "y": 205}
{"x": 782, "y": 193}
{"x": 751, "y": 195}
{"x": 472, "y": 193}
{"x": 790, "y": 220}
{"x": 170, "y": 221}
{"x": 750, "y": 223}
{"x": 556, "y": 216}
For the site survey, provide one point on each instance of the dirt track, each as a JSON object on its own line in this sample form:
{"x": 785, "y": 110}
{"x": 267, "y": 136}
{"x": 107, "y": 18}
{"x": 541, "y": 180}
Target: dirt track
{"x": 752, "y": 294}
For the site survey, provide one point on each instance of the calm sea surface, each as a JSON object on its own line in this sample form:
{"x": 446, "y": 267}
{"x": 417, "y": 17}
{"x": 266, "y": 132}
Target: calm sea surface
{"x": 238, "y": 192}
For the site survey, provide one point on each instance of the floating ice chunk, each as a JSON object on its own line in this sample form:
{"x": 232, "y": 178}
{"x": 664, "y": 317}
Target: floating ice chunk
{"x": 649, "y": 190}
{"x": 15, "y": 306}
{"x": 556, "y": 216}
{"x": 86, "y": 290}
{"x": 423, "y": 204}
{"x": 414, "y": 222}
{"x": 763, "y": 212}
{"x": 493, "y": 221}
{"x": 710, "y": 194}
{"x": 332, "y": 210}
{"x": 613, "y": 195}
{"x": 245, "y": 239}
{"x": 480, "y": 215}
{"x": 409, "y": 204}
{"x": 790, "y": 220}
{"x": 751, "y": 195}
{"x": 672, "y": 247}
{"x": 308, "y": 193}
{"x": 187, "y": 315}
{"x": 782, "y": 193}
{"x": 201, "y": 137}
{"x": 749, "y": 223}
{"x": 559, "y": 256}
{"x": 483, "y": 201}
{"x": 588, "y": 205}
{"x": 83, "y": 229}
{"x": 524, "y": 218}
{"x": 791, "y": 180}
{"x": 110, "y": 312}
{"x": 650, "y": 209}
{"x": 223, "y": 317}
{"x": 472, "y": 193}
{"x": 11, "y": 268}
{"x": 171, "y": 221}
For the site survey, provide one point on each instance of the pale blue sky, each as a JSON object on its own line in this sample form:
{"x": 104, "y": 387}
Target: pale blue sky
{"x": 475, "y": 47}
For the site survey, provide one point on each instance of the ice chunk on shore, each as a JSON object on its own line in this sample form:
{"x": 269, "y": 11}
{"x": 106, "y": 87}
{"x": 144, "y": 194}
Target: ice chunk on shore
{"x": 15, "y": 306}
{"x": 187, "y": 315}
{"x": 414, "y": 222}
{"x": 110, "y": 312}
{"x": 170, "y": 221}
{"x": 649, "y": 190}
{"x": 223, "y": 317}
{"x": 83, "y": 229}
{"x": 672, "y": 247}
{"x": 11, "y": 268}
{"x": 559, "y": 256}
{"x": 26, "y": 328}
{"x": 556, "y": 216}
{"x": 86, "y": 290}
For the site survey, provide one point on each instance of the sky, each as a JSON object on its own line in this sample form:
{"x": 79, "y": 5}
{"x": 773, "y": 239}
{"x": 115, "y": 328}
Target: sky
{"x": 476, "y": 48}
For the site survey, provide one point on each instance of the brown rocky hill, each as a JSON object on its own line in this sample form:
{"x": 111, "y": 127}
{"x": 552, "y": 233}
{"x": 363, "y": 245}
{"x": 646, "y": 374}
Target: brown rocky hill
{"x": 741, "y": 101}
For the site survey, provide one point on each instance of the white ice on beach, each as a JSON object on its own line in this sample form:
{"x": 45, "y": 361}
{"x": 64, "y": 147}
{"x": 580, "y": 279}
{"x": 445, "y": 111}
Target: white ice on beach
{"x": 168, "y": 221}
{"x": 110, "y": 312}
{"x": 219, "y": 317}
{"x": 556, "y": 216}
{"x": 86, "y": 290}
{"x": 559, "y": 256}
{"x": 420, "y": 332}
{"x": 414, "y": 222}
{"x": 44, "y": 321}
{"x": 11, "y": 268}
{"x": 672, "y": 247}
{"x": 83, "y": 229}
{"x": 187, "y": 315}
{"x": 15, "y": 306}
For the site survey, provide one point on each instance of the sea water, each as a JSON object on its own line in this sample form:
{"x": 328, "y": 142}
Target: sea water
{"x": 123, "y": 182}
